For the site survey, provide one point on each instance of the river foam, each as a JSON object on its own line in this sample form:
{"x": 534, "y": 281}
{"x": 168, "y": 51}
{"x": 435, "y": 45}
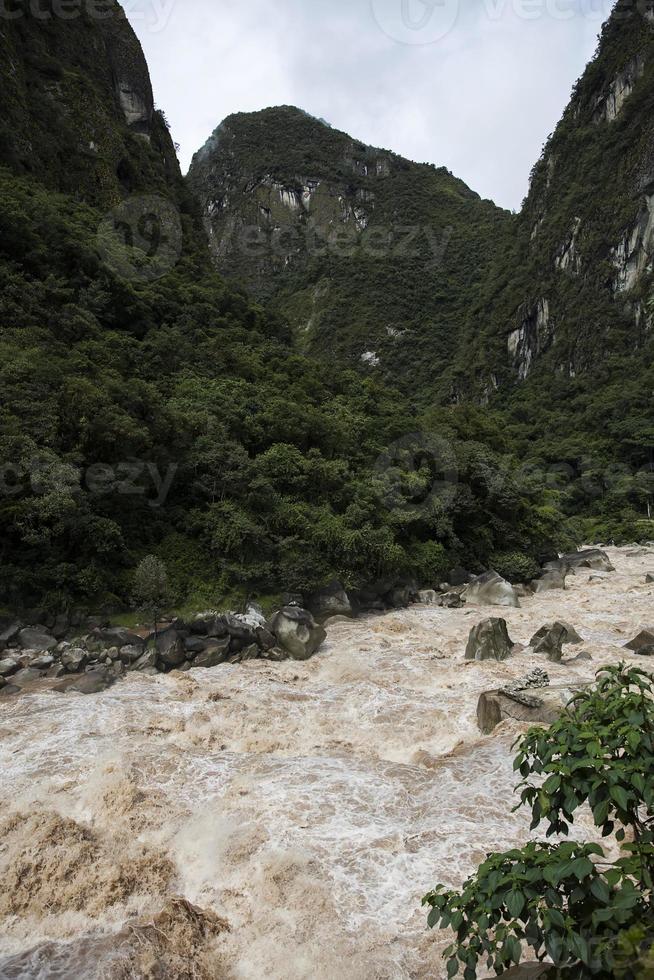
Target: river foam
{"x": 278, "y": 820}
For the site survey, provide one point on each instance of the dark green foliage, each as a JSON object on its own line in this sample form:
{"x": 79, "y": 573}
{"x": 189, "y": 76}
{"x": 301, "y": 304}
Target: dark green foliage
{"x": 174, "y": 418}
{"x": 515, "y": 566}
{"x": 151, "y": 591}
{"x": 568, "y": 902}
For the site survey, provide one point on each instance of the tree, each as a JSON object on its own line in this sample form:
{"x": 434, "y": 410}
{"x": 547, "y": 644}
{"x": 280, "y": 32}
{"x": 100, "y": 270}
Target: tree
{"x": 152, "y": 592}
{"x": 567, "y": 902}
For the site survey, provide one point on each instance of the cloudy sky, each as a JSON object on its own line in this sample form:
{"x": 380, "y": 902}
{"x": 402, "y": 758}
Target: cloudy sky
{"x": 474, "y": 85}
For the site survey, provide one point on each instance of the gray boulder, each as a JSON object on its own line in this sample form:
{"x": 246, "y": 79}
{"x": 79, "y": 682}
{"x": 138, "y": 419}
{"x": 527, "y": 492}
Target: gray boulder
{"x": 74, "y": 660}
{"x": 130, "y": 654}
{"x": 36, "y": 639}
{"x": 42, "y": 662}
{"x": 642, "y": 644}
{"x": 489, "y": 640}
{"x": 117, "y": 636}
{"x": 451, "y": 600}
{"x": 494, "y": 707}
{"x": 26, "y": 675}
{"x": 215, "y": 652}
{"x": 490, "y": 589}
{"x": 550, "y": 639}
{"x": 8, "y": 666}
{"x": 550, "y": 580}
{"x": 649, "y": 579}
{"x": 297, "y": 632}
{"x": 399, "y": 598}
{"x": 9, "y": 634}
{"x": 593, "y": 558}
{"x": 194, "y": 645}
{"x": 170, "y": 647}
{"x": 266, "y": 639}
{"x": 428, "y": 597}
{"x": 330, "y": 601}
{"x": 93, "y": 682}
{"x": 147, "y": 662}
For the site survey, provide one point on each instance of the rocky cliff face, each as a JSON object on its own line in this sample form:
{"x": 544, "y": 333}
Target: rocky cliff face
{"x": 577, "y": 276}
{"x": 78, "y": 112}
{"x": 370, "y": 256}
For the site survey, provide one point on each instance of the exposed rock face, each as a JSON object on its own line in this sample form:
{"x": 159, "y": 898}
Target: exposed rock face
{"x": 489, "y": 640}
{"x": 490, "y": 589}
{"x": 297, "y": 632}
{"x": 610, "y": 105}
{"x": 531, "y": 337}
{"x": 634, "y": 254}
{"x": 593, "y": 558}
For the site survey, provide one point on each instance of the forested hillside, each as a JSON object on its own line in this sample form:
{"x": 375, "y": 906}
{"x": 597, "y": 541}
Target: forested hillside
{"x": 148, "y": 407}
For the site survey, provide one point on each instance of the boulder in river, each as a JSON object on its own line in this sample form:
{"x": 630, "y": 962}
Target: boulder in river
{"x": 8, "y": 666}
{"x": 490, "y": 589}
{"x": 550, "y": 639}
{"x": 544, "y": 708}
{"x": 9, "y": 634}
{"x": 332, "y": 600}
{"x": 170, "y": 647}
{"x": 549, "y": 580}
{"x": 117, "y": 636}
{"x": 593, "y": 558}
{"x": 649, "y": 579}
{"x": 215, "y": 652}
{"x": 643, "y": 644}
{"x": 489, "y": 640}
{"x": 93, "y": 682}
{"x": 36, "y": 639}
{"x": 297, "y": 632}
{"x": 428, "y": 597}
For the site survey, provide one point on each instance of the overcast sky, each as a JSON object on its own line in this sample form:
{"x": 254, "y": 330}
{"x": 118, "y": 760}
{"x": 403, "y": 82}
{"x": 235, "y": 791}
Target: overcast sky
{"x": 474, "y": 85}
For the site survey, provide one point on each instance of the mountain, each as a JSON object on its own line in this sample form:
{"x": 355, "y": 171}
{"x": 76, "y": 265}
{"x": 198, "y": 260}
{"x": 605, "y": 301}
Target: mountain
{"x": 545, "y": 318}
{"x": 576, "y": 282}
{"x": 370, "y": 257}
{"x": 78, "y": 111}
{"x": 150, "y": 407}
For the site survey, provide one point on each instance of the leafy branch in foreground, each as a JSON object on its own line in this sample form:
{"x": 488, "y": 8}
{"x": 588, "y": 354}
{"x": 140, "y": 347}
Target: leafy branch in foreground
{"x": 567, "y": 902}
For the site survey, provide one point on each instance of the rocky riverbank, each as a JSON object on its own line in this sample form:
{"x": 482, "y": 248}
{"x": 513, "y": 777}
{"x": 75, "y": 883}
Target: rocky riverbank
{"x": 284, "y": 818}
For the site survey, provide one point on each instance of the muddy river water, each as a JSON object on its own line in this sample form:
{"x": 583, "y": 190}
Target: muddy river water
{"x": 304, "y": 807}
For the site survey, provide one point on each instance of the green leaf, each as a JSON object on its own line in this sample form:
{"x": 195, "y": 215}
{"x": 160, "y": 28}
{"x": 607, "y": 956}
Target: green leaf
{"x": 601, "y": 891}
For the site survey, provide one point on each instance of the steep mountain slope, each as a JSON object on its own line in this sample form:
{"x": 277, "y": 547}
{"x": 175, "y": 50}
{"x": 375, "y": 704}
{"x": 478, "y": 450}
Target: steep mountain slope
{"x": 546, "y": 318}
{"x": 577, "y": 278}
{"x": 77, "y": 106}
{"x": 370, "y": 256}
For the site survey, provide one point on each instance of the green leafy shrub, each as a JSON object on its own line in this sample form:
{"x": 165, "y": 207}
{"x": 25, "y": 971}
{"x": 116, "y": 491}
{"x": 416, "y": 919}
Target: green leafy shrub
{"x": 514, "y": 566}
{"x": 568, "y": 902}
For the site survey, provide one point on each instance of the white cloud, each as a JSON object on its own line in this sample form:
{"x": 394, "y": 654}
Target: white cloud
{"x": 481, "y": 99}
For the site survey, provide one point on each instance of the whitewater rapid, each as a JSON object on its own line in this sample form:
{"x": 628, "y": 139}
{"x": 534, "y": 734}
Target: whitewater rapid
{"x": 304, "y": 807}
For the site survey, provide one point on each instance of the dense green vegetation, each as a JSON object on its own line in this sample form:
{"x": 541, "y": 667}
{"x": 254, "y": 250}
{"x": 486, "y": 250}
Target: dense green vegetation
{"x": 173, "y": 417}
{"x": 569, "y": 902}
